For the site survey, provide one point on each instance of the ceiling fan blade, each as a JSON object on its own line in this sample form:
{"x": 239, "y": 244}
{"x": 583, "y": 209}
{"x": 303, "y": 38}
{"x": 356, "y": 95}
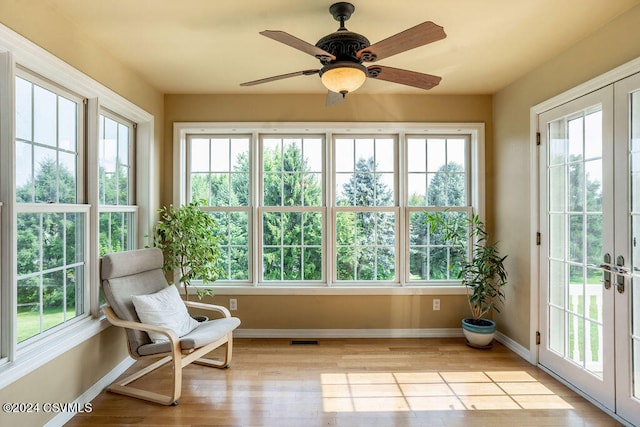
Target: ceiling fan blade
{"x": 280, "y": 77}
{"x": 297, "y": 43}
{"x": 420, "y": 35}
{"x": 334, "y": 98}
{"x": 404, "y": 77}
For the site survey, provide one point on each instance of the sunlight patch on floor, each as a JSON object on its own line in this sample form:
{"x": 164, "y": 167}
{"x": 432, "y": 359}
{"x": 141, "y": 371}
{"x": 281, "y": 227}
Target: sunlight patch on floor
{"x": 436, "y": 391}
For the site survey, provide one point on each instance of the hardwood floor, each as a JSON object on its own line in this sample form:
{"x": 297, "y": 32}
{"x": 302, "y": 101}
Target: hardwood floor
{"x": 358, "y": 382}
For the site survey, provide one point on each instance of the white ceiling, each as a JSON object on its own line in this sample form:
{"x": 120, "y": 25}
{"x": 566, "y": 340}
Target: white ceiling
{"x": 211, "y": 46}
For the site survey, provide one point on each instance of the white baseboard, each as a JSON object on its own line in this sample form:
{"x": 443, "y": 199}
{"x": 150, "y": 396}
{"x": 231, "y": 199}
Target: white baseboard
{"x": 86, "y": 397}
{"x": 518, "y": 349}
{"x": 348, "y": 333}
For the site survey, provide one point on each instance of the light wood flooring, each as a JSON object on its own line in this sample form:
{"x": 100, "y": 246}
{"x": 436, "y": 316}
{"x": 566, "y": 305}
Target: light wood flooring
{"x": 358, "y": 382}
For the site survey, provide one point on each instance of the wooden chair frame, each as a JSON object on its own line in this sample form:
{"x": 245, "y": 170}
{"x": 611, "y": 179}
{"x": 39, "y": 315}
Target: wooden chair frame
{"x": 177, "y": 357}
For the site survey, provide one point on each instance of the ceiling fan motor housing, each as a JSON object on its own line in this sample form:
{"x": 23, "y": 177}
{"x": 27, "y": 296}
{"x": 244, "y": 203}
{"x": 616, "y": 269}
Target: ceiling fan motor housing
{"x": 344, "y": 45}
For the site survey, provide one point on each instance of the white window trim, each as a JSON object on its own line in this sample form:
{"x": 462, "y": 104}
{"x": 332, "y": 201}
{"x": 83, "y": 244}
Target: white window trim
{"x": 15, "y": 49}
{"x": 476, "y": 130}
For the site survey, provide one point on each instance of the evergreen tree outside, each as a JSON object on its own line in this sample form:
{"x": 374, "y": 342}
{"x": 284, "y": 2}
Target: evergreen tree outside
{"x": 227, "y": 187}
{"x": 291, "y": 240}
{"x": 365, "y": 241}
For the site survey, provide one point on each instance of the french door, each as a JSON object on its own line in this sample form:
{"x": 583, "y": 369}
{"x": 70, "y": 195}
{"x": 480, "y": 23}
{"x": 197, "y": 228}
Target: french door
{"x": 590, "y": 232}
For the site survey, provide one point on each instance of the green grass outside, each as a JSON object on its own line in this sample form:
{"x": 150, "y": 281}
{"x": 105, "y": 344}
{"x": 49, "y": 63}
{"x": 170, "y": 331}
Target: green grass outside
{"x": 29, "y": 321}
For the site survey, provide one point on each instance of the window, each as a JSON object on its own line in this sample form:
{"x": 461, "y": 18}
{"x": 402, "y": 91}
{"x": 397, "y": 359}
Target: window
{"x": 51, "y": 223}
{"x": 437, "y": 178}
{"x": 220, "y": 175}
{"x": 50, "y": 175}
{"x": 116, "y": 190}
{"x": 366, "y": 217}
{"x": 332, "y": 206}
{"x": 292, "y": 213}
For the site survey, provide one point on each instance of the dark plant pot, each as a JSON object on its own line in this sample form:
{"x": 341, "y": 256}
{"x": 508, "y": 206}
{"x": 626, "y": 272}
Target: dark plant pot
{"x": 479, "y": 332}
{"x": 200, "y": 318}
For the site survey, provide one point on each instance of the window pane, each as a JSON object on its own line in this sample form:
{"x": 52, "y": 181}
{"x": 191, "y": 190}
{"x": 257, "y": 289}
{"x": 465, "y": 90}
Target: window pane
{"x": 417, "y": 189}
{"x": 28, "y": 243}
{"x": 45, "y": 182}
{"x": 115, "y": 172}
{"x": 365, "y": 248}
{"x": 123, "y": 144}
{"x": 292, "y": 245}
{"x": 288, "y": 172}
{"x": 344, "y": 156}
{"x": 67, "y": 177}
{"x": 24, "y": 173}
{"x": 28, "y": 308}
{"x": 44, "y": 116}
{"x": 372, "y": 180}
{"x": 219, "y": 170}
{"x": 199, "y": 155}
{"x": 431, "y": 257}
{"x": 416, "y": 155}
{"x": 200, "y": 185}
{"x": 116, "y": 232}
{"x": 313, "y": 154}
{"x": 385, "y": 157}
{"x": 51, "y": 262}
{"x": 220, "y": 155}
{"x": 24, "y": 109}
{"x": 67, "y": 125}
{"x": 456, "y": 154}
{"x": 234, "y": 244}
{"x": 436, "y": 154}
{"x": 46, "y": 159}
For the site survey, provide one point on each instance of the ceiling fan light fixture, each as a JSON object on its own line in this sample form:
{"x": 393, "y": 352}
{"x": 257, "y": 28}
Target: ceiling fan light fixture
{"x": 343, "y": 77}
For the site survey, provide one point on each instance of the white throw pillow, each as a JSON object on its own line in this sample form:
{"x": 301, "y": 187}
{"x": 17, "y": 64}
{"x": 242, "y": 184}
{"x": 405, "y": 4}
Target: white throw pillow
{"x": 164, "y": 308}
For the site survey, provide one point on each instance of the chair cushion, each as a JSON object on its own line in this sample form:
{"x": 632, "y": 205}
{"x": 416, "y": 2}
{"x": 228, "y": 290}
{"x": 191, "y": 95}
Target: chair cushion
{"x": 164, "y": 308}
{"x": 128, "y": 263}
{"x": 129, "y": 273}
{"x": 205, "y": 333}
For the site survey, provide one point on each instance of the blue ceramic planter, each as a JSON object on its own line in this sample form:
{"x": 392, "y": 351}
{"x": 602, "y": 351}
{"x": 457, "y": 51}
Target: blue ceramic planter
{"x": 479, "y": 333}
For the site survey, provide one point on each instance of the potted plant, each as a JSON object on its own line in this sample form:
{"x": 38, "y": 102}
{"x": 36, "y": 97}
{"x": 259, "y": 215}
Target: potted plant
{"x": 482, "y": 271}
{"x": 189, "y": 239}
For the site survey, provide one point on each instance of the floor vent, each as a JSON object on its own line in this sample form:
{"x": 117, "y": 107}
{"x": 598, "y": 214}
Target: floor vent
{"x": 304, "y": 342}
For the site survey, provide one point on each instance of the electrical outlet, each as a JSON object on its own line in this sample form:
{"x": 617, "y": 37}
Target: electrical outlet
{"x": 233, "y": 304}
{"x": 436, "y": 304}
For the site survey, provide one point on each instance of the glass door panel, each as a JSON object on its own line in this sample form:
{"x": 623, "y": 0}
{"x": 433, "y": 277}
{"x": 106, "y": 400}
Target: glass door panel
{"x": 575, "y": 316}
{"x": 627, "y": 248}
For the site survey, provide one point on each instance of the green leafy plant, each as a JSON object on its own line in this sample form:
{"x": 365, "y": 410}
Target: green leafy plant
{"x": 483, "y": 274}
{"x": 188, "y": 236}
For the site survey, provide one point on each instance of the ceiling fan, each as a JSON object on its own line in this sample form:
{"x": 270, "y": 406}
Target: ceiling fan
{"x": 342, "y": 53}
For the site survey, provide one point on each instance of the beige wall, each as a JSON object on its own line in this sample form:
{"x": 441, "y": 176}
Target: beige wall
{"x": 334, "y": 312}
{"x": 65, "y": 378}
{"x": 70, "y": 375}
{"x": 611, "y": 46}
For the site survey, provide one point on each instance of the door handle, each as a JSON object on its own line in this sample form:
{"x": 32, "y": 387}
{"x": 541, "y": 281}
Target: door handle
{"x": 621, "y": 273}
{"x": 624, "y": 272}
{"x": 606, "y": 268}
